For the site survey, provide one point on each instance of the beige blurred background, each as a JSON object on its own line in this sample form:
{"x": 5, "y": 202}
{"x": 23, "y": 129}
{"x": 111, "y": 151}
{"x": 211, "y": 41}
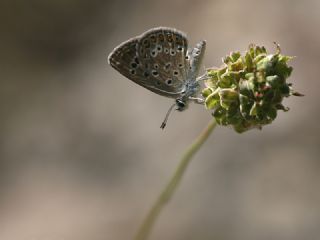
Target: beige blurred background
{"x": 81, "y": 152}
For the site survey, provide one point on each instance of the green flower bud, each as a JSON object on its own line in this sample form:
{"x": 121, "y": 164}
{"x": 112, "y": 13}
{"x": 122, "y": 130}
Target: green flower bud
{"x": 212, "y": 100}
{"x": 228, "y": 97}
{"x": 248, "y": 90}
{"x": 206, "y": 92}
{"x": 275, "y": 81}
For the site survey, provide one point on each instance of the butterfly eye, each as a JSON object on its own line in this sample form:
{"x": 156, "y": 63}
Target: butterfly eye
{"x": 181, "y": 104}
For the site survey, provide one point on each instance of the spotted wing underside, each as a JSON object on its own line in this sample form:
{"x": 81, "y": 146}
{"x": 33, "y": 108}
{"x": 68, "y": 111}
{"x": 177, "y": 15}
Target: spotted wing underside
{"x": 156, "y": 60}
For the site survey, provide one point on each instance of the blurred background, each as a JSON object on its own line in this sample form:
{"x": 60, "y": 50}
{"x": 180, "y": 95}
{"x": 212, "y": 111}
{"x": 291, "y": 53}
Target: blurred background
{"x": 81, "y": 152}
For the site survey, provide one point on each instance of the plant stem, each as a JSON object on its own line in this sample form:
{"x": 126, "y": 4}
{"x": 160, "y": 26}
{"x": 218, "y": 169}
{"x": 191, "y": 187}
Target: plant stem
{"x": 170, "y": 188}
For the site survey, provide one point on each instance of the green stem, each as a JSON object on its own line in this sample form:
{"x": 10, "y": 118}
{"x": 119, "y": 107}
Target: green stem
{"x": 170, "y": 188}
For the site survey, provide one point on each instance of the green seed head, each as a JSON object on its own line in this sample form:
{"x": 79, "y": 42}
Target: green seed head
{"x": 247, "y": 91}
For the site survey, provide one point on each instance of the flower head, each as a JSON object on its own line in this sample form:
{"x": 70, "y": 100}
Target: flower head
{"x": 247, "y": 91}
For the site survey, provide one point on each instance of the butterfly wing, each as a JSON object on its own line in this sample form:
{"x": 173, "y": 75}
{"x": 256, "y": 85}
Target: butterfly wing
{"x": 125, "y": 60}
{"x": 163, "y": 54}
{"x": 155, "y": 60}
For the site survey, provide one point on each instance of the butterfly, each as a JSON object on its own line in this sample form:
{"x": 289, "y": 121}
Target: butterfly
{"x": 160, "y": 60}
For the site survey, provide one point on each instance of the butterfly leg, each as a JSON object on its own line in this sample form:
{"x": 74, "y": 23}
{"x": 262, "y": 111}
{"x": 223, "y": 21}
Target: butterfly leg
{"x": 203, "y": 77}
{"x": 197, "y": 100}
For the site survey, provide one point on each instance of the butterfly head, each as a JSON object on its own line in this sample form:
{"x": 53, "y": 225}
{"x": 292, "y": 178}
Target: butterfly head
{"x": 181, "y": 104}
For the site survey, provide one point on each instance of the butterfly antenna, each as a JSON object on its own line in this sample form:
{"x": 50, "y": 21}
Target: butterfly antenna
{"x": 164, "y": 123}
